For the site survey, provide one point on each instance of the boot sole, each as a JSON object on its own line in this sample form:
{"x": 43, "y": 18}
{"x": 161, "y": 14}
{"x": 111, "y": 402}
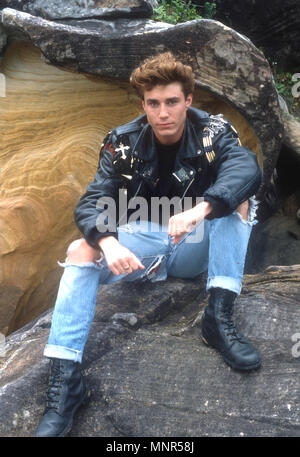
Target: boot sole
{"x": 255, "y": 366}
{"x": 83, "y": 402}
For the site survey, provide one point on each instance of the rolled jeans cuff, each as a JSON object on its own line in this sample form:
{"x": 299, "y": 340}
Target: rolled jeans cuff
{"x": 225, "y": 282}
{"x": 61, "y": 352}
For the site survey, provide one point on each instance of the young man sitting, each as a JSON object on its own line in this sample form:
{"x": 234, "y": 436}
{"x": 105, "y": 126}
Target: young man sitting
{"x": 173, "y": 151}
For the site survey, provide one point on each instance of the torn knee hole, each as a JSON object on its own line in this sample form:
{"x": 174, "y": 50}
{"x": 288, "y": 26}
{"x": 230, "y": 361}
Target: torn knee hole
{"x": 79, "y": 260}
{"x": 74, "y": 246}
{"x": 243, "y": 210}
{"x": 79, "y": 253}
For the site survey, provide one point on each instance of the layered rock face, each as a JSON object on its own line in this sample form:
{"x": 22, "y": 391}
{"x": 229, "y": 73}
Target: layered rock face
{"x": 52, "y": 123}
{"x": 53, "y": 119}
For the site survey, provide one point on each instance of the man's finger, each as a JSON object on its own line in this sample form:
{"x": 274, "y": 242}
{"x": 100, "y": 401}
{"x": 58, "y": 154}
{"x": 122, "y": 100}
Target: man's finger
{"x": 177, "y": 238}
{"x": 114, "y": 269}
{"x": 139, "y": 263}
{"x": 130, "y": 264}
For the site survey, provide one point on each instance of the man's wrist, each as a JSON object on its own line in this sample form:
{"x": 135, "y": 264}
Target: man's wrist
{"x": 107, "y": 242}
{"x": 202, "y": 210}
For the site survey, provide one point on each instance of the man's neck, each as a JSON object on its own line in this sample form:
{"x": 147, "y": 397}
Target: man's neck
{"x": 167, "y": 146}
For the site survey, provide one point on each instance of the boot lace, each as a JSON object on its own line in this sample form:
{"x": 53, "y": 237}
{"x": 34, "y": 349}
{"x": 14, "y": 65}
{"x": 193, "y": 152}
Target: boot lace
{"x": 54, "y": 387}
{"x": 229, "y": 327}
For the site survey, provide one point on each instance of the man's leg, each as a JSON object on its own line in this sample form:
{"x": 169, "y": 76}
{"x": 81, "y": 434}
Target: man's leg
{"x": 71, "y": 321}
{"x": 189, "y": 257}
{"x": 73, "y": 315}
{"x": 229, "y": 238}
{"x": 75, "y": 303}
{"x": 222, "y": 251}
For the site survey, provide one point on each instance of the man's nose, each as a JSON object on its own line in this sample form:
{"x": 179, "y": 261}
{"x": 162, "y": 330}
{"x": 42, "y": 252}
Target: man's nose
{"x": 163, "y": 112}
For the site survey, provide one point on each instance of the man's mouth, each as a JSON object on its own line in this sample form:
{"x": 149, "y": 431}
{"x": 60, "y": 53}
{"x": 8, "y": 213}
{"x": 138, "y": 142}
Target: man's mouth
{"x": 165, "y": 125}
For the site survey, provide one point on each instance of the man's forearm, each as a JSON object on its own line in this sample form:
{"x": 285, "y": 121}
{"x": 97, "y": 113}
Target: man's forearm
{"x": 201, "y": 210}
{"x": 186, "y": 221}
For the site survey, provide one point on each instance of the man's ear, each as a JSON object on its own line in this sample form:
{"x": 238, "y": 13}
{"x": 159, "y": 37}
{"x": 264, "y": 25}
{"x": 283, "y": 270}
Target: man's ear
{"x": 188, "y": 100}
{"x": 143, "y": 104}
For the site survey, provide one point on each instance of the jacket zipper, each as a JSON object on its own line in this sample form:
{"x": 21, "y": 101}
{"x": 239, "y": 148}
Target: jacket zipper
{"x": 138, "y": 189}
{"x": 187, "y": 188}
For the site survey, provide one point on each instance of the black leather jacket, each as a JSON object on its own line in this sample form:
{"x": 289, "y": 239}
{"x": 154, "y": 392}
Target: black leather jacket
{"x": 210, "y": 163}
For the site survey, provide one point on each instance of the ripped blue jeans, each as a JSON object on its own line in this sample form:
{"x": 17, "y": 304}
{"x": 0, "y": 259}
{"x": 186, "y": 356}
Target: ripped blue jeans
{"x": 219, "y": 246}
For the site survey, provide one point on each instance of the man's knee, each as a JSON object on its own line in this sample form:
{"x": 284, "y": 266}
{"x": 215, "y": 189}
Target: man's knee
{"x": 80, "y": 251}
{"x": 243, "y": 209}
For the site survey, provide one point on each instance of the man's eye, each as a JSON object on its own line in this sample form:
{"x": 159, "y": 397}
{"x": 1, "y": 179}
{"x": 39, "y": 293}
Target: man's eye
{"x": 153, "y": 103}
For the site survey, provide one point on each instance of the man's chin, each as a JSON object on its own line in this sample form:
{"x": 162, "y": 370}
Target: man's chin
{"x": 167, "y": 136}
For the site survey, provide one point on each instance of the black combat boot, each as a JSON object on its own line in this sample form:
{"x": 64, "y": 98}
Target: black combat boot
{"x": 65, "y": 394}
{"x": 218, "y": 331}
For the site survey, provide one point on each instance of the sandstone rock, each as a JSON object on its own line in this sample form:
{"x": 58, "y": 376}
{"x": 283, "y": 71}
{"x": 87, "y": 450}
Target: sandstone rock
{"x": 80, "y": 9}
{"x": 52, "y": 123}
{"x": 54, "y": 117}
{"x": 157, "y": 378}
{"x": 226, "y": 64}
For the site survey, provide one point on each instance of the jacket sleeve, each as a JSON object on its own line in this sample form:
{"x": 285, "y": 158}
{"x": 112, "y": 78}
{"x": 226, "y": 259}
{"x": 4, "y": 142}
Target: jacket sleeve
{"x": 95, "y": 213}
{"x": 236, "y": 172}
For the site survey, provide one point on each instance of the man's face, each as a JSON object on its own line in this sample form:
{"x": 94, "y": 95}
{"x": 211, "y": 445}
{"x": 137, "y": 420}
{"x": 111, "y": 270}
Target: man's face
{"x": 166, "y": 108}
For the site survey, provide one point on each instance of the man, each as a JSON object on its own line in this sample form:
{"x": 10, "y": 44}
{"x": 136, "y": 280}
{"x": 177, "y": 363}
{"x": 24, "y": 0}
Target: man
{"x": 173, "y": 151}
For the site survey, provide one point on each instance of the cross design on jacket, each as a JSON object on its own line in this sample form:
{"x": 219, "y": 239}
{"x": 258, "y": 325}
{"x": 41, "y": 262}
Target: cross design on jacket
{"x": 122, "y": 148}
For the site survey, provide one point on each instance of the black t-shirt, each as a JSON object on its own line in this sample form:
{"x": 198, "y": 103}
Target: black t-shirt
{"x": 166, "y": 154}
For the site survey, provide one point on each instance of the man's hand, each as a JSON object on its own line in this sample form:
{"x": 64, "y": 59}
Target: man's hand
{"x": 119, "y": 259}
{"x": 185, "y": 222}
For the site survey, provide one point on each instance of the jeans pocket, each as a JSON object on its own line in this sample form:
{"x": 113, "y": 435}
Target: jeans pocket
{"x": 156, "y": 270}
